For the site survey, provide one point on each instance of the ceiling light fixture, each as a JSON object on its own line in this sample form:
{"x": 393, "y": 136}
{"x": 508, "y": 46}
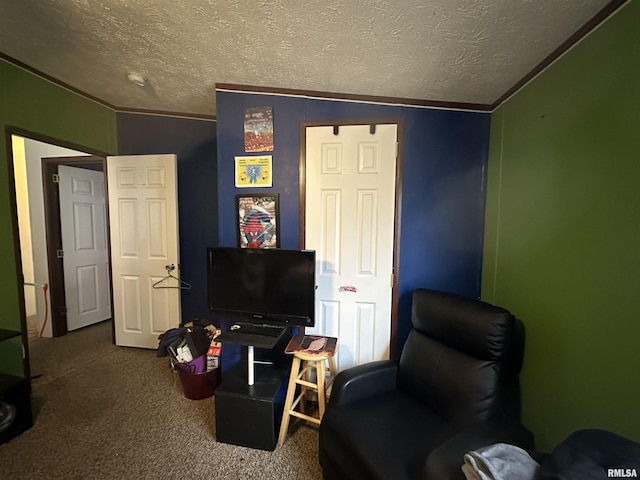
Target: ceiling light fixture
{"x": 136, "y": 78}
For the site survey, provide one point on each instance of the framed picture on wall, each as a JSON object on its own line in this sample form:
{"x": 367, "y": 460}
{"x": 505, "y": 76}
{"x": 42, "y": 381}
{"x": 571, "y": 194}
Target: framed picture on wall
{"x": 257, "y": 218}
{"x": 253, "y": 171}
{"x": 258, "y": 129}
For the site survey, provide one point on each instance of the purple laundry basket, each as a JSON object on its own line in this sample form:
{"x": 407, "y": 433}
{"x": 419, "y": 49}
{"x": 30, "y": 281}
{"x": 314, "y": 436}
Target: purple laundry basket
{"x": 197, "y": 383}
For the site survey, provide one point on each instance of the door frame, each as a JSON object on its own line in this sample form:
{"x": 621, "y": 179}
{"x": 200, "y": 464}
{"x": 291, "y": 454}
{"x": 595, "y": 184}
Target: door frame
{"x": 21, "y": 132}
{"x": 393, "y": 347}
{"x": 53, "y": 232}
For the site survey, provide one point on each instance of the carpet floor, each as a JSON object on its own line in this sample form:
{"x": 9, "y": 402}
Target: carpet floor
{"x": 107, "y": 412}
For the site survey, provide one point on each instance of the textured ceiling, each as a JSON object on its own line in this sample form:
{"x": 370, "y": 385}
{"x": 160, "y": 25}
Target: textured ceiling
{"x": 438, "y": 50}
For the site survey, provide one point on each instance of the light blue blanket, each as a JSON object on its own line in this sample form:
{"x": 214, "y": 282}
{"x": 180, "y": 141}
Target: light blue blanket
{"x": 499, "y": 461}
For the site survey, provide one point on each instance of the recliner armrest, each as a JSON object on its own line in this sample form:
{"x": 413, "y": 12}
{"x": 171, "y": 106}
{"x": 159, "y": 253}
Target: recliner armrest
{"x": 363, "y": 381}
{"x": 445, "y": 462}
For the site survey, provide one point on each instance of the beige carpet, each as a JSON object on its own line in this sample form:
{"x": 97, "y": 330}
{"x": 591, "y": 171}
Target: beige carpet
{"x": 107, "y": 412}
{"x": 32, "y": 327}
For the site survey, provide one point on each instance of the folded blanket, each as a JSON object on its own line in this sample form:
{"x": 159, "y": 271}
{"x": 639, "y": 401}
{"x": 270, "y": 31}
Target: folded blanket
{"x": 499, "y": 461}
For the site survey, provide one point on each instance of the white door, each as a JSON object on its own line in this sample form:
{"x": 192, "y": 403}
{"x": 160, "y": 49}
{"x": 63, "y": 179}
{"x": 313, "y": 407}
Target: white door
{"x": 84, "y": 245}
{"x": 350, "y": 208}
{"x": 143, "y": 218}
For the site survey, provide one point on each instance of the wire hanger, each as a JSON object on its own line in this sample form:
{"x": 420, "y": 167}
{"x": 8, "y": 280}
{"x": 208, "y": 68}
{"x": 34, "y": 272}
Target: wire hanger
{"x": 182, "y": 285}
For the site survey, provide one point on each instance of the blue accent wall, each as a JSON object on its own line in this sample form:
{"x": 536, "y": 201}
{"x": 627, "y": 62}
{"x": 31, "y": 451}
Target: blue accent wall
{"x": 194, "y": 143}
{"x": 444, "y": 157}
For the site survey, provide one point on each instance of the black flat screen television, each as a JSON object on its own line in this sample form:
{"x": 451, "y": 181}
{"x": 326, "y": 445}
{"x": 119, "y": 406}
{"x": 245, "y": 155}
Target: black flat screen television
{"x": 272, "y": 286}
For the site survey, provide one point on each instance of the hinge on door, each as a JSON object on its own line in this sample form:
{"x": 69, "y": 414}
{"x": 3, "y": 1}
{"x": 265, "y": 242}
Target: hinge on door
{"x": 397, "y": 148}
{"x": 56, "y": 178}
{"x": 63, "y": 310}
{"x": 60, "y": 253}
{"x": 391, "y": 280}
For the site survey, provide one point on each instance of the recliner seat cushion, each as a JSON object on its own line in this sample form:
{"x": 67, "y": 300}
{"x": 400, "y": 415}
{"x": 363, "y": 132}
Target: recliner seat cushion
{"x": 384, "y": 437}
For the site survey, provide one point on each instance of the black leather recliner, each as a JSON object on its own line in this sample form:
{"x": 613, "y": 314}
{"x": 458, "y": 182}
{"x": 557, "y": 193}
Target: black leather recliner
{"x": 455, "y": 389}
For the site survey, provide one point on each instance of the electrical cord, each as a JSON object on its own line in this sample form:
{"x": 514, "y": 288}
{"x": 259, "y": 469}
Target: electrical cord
{"x": 45, "y": 287}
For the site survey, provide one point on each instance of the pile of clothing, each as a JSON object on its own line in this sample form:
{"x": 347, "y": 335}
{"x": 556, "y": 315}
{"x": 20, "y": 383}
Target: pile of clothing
{"x": 192, "y": 348}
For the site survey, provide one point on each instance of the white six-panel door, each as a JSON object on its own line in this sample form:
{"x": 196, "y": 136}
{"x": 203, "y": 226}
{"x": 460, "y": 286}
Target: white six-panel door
{"x": 349, "y": 221}
{"x": 143, "y": 219}
{"x": 84, "y": 243}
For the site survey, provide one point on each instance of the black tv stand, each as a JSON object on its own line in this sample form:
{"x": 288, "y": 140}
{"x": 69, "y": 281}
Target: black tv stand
{"x": 250, "y": 398}
{"x": 251, "y": 365}
{"x": 250, "y": 415}
{"x": 260, "y": 336}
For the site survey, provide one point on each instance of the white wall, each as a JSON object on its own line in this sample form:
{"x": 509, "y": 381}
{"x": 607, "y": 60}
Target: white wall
{"x": 34, "y": 152}
{"x": 24, "y": 227}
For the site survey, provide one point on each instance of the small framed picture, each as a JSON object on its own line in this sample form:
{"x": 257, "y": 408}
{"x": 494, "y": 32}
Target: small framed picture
{"x": 253, "y": 171}
{"x": 257, "y": 217}
{"x": 258, "y": 129}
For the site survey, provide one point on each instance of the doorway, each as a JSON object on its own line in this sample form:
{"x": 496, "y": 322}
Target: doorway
{"x": 43, "y": 278}
{"x": 71, "y": 306}
{"x": 350, "y": 188}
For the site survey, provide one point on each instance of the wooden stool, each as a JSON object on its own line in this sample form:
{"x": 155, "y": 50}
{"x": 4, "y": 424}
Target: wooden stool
{"x": 305, "y": 362}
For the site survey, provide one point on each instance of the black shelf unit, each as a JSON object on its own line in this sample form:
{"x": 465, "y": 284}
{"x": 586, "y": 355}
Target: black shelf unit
{"x": 250, "y": 415}
{"x": 16, "y": 391}
{"x": 7, "y": 334}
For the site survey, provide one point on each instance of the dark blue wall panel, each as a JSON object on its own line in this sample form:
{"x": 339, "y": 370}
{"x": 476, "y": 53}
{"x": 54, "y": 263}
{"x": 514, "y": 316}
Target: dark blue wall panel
{"x": 194, "y": 143}
{"x": 444, "y": 155}
{"x": 286, "y": 157}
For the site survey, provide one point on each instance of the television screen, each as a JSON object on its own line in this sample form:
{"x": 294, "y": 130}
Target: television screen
{"x": 266, "y": 285}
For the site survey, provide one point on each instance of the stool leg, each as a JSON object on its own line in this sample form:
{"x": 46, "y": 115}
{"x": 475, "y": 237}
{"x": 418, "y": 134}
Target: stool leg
{"x": 303, "y": 388}
{"x": 320, "y": 372}
{"x": 333, "y": 371}
{"x": 291, "y": 390}
{"x": 332, "y": 367}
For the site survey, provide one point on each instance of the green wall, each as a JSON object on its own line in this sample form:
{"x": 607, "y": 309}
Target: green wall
{"x": 36, "y": 105}
{"x": 562, "y": 233}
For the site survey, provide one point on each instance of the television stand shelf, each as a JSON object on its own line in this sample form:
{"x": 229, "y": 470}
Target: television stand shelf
{"x": 250, "y": 415}
{"x": 238, "y": 337}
